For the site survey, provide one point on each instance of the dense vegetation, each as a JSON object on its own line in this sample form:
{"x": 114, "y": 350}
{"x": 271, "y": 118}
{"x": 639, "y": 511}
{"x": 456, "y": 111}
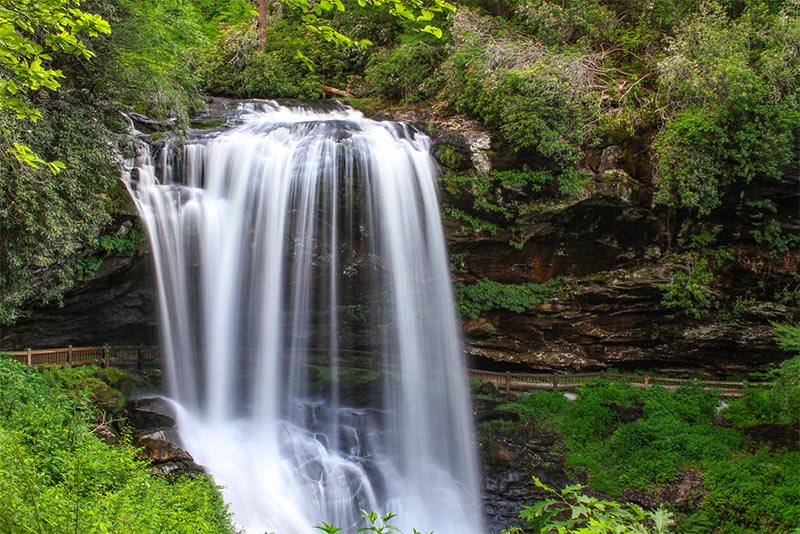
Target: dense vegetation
{"x": 57, "y": 476}
{"x": 705, "y": 91}
{"x": 708, "y": 88}
{"x": 641, "y": 444}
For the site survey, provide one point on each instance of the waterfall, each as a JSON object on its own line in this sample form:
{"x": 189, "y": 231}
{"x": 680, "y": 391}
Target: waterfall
{"x": 308, "y": 322}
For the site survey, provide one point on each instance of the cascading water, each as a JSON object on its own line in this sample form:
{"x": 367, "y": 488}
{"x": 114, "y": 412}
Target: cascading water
{"x": 308, "y": 323}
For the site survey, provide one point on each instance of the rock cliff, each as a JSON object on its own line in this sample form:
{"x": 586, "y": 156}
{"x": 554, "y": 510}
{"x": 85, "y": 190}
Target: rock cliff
{"x": 615, "y": 249}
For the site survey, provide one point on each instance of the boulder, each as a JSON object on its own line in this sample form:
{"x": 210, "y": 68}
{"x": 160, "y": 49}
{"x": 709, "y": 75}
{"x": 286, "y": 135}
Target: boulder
{"x": 151, "y": 412}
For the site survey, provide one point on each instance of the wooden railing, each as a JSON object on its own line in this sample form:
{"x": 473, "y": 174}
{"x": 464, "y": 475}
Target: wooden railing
{"x": 130, "y": 356}
{"x": 570, "y": 382}
{"x": 143, "y": 356}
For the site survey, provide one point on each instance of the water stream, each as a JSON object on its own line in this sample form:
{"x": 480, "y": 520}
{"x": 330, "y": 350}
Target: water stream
{"x": 308, "y": 322}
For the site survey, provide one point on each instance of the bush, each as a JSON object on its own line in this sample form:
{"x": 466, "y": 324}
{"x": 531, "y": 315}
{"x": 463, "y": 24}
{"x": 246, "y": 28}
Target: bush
{"x": 406, "y": 72}
{"x": 485, "y": 295}
{"x": 571, "y": 511}
{"x": 57, "y": 476}
{"x": 532, "y": 97}
{"x": 731, "y": 102}
{"x": 239, "y": 67}
{"x": 673, "y": 433}
{"x": 45, "y": 221}
{"x": 546, "y": 410}
{"x": 754, "y": 493}
{"x": 689, "y": 290}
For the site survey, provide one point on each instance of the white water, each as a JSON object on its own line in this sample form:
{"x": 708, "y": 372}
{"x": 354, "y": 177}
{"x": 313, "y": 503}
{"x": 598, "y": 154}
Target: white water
{"x": 290, "y": 248}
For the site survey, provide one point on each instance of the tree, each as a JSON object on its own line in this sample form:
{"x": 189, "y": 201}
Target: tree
{"x": 31, "y": 31}
{"x": 312, "y": 11}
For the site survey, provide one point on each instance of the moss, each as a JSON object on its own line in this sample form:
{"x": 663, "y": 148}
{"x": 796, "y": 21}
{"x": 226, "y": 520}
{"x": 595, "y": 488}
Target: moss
{"x": 207, "y": 124}
{"x": 451, "y": 158}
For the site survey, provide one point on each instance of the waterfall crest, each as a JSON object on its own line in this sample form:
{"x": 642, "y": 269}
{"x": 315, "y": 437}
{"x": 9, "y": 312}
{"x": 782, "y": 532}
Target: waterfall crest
{"x": 308, "y": 323}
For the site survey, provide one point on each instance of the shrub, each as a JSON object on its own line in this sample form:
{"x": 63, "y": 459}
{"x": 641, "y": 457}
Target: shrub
{"x": 754, "y": 493}
{"x": 570, "y": 511}
{"x": 510, "y": 81}
{"x": 46, "y": 221}
{"x": 57, "y": 476}
{"x": 689, "y": 290}
{"x": 484, "y": 295}
{"x": 406, "y": 72}
{"x": 728, "y": 117}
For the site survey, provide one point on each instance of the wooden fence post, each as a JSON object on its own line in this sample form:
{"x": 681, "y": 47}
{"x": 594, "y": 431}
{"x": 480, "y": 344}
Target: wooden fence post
{"x": 29, "y": 356}
{"x": 555, "y": 382}
{"x": 508, "y": 382}
{"x": 105, "y": 355}
{"x": 646, "y": 381}
{"x": 69, "y": 355}
{"x": 140, "y": 357}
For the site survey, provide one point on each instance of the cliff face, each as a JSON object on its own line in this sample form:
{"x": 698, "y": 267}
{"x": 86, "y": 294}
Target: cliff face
{"x": 614, "y": 248}
{"x": 619, "y": 252}
{"x": 116, "y": 305}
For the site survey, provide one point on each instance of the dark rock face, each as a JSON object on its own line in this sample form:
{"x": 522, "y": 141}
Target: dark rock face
{"x": 618, "y": 321}
{"x": 510, "y": 459}
{"x": 619, "y": 250}
{"x": 151, "y": 412}
{"x": 116, "y": 306}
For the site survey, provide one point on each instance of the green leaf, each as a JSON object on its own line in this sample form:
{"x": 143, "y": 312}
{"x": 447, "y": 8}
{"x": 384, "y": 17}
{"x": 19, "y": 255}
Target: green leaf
{"x": 433, "y": 30}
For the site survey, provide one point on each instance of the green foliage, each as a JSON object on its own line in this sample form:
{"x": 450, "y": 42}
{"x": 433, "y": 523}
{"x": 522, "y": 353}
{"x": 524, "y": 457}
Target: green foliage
{"x": 241, "y": 66}
{"x": 779, "y": 402}
{"x": 571, "y": 511}
{"x": 418, "y": 12}
{"x": 788, "y": 338}
{"x": 499, "y": 199}
{"x": 57, "y": 476}
{"x": 545, "y": 409}
{"x": 689, "y": 289}
{"x": 32, "y": 32}
{"x": 729, "y": 117}
{"x": 378, "y": 524}
{"x": 753, "y": 493}
{"x": 405, "y": 72}
{"x": 97, "y": 390}
{"x": 533, "y": 98}
{"x": 47, "y": 222}
{"x": 484, "y": 295}
{"x": 643, "y": 439}
{"x": 777, "y": 243}
{"x": 151, "y": 60}
{"x": 662, "y": 434}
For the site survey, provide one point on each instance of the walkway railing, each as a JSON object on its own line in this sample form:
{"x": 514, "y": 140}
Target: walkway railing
{"x": 129, "y": 356}
{"x": 143, "y": 356}
{"x": 570, "y": 382}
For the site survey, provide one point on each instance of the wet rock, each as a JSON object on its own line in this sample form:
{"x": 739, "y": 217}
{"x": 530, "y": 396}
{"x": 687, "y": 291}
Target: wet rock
{"x": 153, "y": 419}
{"x": 151, "y": 412}
{"x": 163, "y": 446}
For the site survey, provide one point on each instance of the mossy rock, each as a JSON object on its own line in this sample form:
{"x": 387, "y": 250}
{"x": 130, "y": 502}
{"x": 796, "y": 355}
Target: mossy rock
{"x": 451, "y": 156}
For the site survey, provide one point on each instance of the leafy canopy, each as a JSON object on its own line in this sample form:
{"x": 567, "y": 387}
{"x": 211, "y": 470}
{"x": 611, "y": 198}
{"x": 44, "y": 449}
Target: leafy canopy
{"x": 31, "y": 31}
{"x": 412, "y": 10}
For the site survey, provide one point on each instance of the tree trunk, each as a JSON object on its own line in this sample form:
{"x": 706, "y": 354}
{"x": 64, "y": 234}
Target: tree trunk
{"x": 261, "y": 26}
